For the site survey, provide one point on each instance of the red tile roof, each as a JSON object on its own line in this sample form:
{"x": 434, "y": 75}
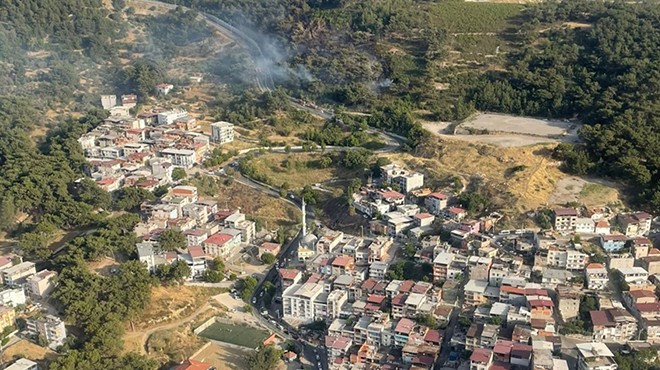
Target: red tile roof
{"x": 600, "y": 318}
{"x": 107, "y": 181}
{"x": 642, "y": 294}
{"x": 648, "y": 307}
{"x": 535, "y": 291}
{"x": 618, "y": 238}
{"x": 602, "y": 223}
{"x": 270, "y": 246}
{"x": 541, "y": 303}
{"x": 337, "y": 342}
{"x": 191, "y": 364}
{"x": 438, "y": 196}
{"x": 512, "y": 290}
{"x": 196, "y": 252}
{"x": 566, "y": 212}
{"x": 375, "y": 298}
{"x": 288, "y": 274}
{"x": 500, "y": 366}
{"x": 595, "y": 266}
{"x": 219, "y": 239}
{"x": 406, "y": 286}
{"x": 422, "y": 216}
{"x": 369, "y": 284}
{"x": 433, "y": 336}
{"x": 404, "y": 326}
{"x": 342, "y": 261}
{"x": 481, "y": 355}
{"x": 399, "y": 300}
{"x": 457, "y": 210}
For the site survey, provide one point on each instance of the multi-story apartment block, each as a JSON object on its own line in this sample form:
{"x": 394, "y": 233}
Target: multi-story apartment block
{"x": 479, "y": 267}
{"x": 635, "y": 275}
{"x": 336, "y": 299}
{"x": 584, "y": 225}
{"x": 595, "y": 356}
{"x": 23, "y": 364}
{"x": 566, "y": 258}
{"x": 406, "y": 180}
{"x": 436, "y": 203}
{"x": 440, "y": 265}
{"x": 222, "y": 132}
{"x": 635, "y": 224}
{"x": 49, "y": 327}
{"x": 18, "y": 274}
{"x": 596, "y": 276}
{"x": 180, "y": 157}
{"x": 168, "y": 117}
{"x": 641, "y": 247}
{"x": 613, "y": 325}
{"x": 565, "y": 219}
{"x": 337, "y": 347}
{"x": 220, "y": 244}
{"x": 475, "y": 293}
{"x": 298, "y": 301}
{"x": 613, "y": 243}
{"x": 481, "y": 359}
{"x": 41, "y": 284}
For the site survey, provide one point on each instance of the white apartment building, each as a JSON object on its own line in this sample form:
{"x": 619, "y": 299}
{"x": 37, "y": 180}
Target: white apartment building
{"x": 635, "y": 275}
{"x": 568, "y": 259}
{"x": 298, "y": 301}
{"x": 595, "y": 356}
{"x": 23, "y": 364}
{"x": 222, "y": 132}
{"x": 584, "y": 225}
{"x": 180, "y": 157}
{"x": 336, "y": 299}
{"x": 18, "y": 274}
{"x": 48, "y": 327}
{"x": 596, "y": 276}
{"x": 168, "y": 117}
{"x": 12, "y": 297}
{"x": 406, "y": 180}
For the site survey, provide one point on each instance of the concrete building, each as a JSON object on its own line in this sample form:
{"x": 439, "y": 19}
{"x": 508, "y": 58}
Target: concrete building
{"x": 41, "y": 284}
{"x": 475, "y": 293}
{"x": 7, "y": 317}
{"x": 613, "y": 325}
{"x": 18, "y": 274}
{"x": 23, "y": 364}
{"x": 180, "y": 157}
{"x": 595, "y": 356}
{"x": 635, "y": 224}
{"x": 566, "y": 258}
{"x": 49, "y": 327}
{"x": 436, "y": 203}
{"x": 584, "y": 225}
{"x": 596, "y": 276}
{"x": 222, "y": 132}
{"x": 146, "y": 255}
{"x": 336, "y": 299}
{"x": 108, "y": 101}
{"x": 613, "y": 243}
{"x": 406, "y": 180}
{"x": 569, "y": 302}
{"x": 298, "y": 301}
{"x": 565, "y": 219}
{"x": 12, "y": 297}
{"x": 635, "y": 275}
{"x": 220, "y": 244}
{"x": 168, "y": 117}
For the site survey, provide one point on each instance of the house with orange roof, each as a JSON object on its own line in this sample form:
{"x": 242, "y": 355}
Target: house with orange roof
{"x": 220, "y": 244}
{"x": 342, "y": 265}
{"x": 268, "y": 247}
{"x": 436, "y": 203}
{"x": 289, "y": 277}
{"x": 191, "y": 364}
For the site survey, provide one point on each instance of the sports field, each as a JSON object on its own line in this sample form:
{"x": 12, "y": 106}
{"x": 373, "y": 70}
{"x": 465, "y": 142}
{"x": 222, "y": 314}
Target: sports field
{"x": 240, "y": 335}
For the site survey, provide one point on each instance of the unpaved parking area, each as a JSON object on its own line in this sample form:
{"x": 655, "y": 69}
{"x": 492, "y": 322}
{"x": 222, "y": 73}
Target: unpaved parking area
{"x": 517, "y": 125}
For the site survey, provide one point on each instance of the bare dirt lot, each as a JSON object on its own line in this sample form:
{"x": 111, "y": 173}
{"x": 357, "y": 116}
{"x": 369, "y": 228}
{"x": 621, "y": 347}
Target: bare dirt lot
{"x": 590, "y": 192}
{"x": 517, "y": 125}
{"x": 223, "y": 357}
{"x": 29, "y": 350}
{"x": 507, "y": 131}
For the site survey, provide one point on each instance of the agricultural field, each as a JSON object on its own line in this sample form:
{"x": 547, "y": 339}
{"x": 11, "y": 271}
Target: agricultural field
{"x": 240, "y": 335}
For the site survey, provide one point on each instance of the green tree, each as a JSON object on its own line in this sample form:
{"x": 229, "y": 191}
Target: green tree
{"x": 265, "y": 358}
{"x": 178, "y": 173}
{"x": 171, "y": 239}
{"x": 268, "y": 258}
{"x": 212, "y": 276}
{"x": 219, "y": 264}
{"x": 89, "y": 192}
{"x": 7, "y": 214}
{"x": 130, "y": 198}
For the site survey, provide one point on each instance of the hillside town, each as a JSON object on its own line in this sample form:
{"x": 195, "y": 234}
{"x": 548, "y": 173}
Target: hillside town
{"x": 426, "y": 285}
